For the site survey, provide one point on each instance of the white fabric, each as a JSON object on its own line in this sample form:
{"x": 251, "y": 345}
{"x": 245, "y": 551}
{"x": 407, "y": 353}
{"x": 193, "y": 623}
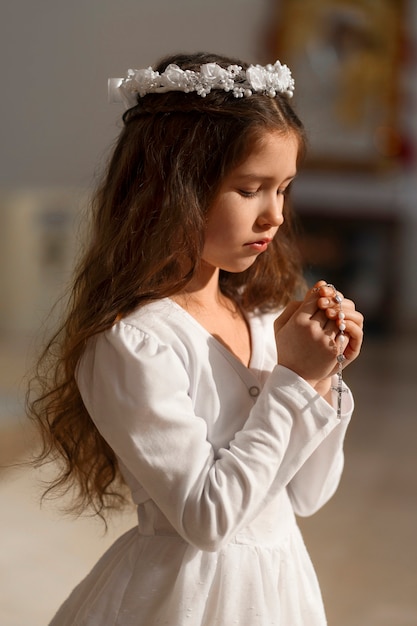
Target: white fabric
{"x": 218, "y": 457}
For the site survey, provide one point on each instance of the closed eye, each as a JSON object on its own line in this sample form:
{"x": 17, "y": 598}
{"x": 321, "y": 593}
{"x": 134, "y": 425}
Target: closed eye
{"x": 247, "y": 194}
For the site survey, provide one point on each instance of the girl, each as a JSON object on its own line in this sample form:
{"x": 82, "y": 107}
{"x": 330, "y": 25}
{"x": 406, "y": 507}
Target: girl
{"x": 165, "y": 374}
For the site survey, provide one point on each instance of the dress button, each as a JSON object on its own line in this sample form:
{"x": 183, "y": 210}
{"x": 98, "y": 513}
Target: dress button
{"x": 254, "y": 391}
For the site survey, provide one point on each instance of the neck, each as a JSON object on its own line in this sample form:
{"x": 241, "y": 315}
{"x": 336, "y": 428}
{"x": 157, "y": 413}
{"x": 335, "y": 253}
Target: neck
{"x": 203, "y": 290}
{"x": 217, "y": 313}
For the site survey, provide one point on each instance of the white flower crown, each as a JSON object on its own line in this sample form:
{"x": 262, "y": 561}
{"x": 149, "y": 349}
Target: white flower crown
{"x": 269, "y": 80}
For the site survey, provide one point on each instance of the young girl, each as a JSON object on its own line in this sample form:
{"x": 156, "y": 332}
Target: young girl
{"x": 187, "y": 369}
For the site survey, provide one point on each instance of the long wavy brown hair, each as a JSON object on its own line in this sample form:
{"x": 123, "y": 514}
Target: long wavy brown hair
{"x": 147, "y": 234}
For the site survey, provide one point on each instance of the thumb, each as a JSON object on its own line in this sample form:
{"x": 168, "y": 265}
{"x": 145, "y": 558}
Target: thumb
{"x": 286, "y": 314}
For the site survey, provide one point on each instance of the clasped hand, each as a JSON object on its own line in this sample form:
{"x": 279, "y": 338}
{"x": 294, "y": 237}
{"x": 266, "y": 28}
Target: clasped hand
{"x": 306, "y": 331}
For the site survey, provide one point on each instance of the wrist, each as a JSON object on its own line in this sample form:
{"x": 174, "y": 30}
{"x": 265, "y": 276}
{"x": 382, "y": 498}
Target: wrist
{"x": 323, "y": 387}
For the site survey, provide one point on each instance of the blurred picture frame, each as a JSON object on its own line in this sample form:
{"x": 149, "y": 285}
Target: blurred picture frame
{"x": 345, "y": 56}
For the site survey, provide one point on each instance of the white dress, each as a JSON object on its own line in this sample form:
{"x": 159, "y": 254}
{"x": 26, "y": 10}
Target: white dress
{"x": 219, "y": 458}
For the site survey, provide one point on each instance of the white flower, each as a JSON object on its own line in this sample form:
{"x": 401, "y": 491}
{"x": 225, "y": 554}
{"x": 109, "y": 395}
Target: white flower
{"x": 175, "y": 78}
{"x": 212, "y": 73}
{"x": 143, "y": 80}
{"x": 284, "y": 80}
{"x": 269, "y": 80}
{"x": 234, "y": 70}
{"x": 256, "y": 77}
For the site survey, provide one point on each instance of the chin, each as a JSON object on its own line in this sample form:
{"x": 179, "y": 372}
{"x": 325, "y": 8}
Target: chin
{"x": 238, "y": 268}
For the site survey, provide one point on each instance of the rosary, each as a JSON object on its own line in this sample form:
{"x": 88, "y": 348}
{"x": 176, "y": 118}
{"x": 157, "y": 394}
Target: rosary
{"x": 340, "y": 358}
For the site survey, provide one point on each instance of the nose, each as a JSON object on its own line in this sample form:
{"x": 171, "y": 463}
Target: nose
{"x": 272, "y": 212}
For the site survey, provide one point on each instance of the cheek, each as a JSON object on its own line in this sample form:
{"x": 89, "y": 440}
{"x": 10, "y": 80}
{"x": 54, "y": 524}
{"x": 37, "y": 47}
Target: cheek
{"x": 225, "y": 220}
{"x": 218, "y": 240}
{"x": 214, "y": 238}
{"x": 217, "y": 222}
{"x": 220, "y": 233}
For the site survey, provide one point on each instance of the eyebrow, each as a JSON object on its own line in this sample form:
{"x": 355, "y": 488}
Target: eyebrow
{"x": 257, "y": 177}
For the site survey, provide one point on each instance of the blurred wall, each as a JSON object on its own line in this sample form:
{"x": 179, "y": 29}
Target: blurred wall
{"x": 56, "y": 58}
{"x": 359, "y": 200}
{"x": 57, "y": 128}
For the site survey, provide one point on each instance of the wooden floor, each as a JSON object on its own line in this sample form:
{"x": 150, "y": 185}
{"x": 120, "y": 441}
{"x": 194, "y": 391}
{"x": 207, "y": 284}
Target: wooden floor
{"x": 363, "y": 543}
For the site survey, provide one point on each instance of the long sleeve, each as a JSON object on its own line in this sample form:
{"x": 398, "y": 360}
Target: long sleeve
{"x": 317, "y": 480}
{"x": 137, "y": 391}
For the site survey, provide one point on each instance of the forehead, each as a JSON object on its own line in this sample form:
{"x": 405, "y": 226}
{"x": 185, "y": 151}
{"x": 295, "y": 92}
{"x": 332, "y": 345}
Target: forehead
{"x": 273, "y": 139}
{"x": 272, "y": 151}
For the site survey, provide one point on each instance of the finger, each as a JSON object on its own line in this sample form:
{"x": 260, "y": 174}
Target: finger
{"x": 324, "y": 289}
{"x": 286, "y": 314}
{"x": 312, "y": 297}
{"x": 326, "y": 301}
{"x": 319, "y": 284}
{"x": 329, "y": 300}
{"x": 341, "y": 302}
{"x": 326, "y": 323}
{"x": 348, "y": 314}
{"x": 354, "y": 333}
{"x": 331, "y": 327}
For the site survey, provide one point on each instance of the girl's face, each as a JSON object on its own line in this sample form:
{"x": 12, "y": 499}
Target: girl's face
{"x": 247, "y": 211}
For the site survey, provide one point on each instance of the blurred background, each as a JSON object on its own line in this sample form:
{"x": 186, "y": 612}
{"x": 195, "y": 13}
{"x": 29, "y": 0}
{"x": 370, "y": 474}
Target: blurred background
{"x": 355, "y": 66}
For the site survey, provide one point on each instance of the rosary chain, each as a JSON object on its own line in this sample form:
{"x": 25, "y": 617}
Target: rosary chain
{"x": 340, "y": 358}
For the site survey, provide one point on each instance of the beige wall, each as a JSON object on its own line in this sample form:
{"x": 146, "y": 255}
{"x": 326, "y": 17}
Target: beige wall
{"x": 39, "y": 239}
{"x": 57, "y": 127}
{"x": 56, "y": 57}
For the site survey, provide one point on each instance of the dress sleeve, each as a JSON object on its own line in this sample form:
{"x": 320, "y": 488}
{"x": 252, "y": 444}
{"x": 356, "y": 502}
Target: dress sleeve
{"x": 136, "y": 390}
{"x": 317, "y": 480}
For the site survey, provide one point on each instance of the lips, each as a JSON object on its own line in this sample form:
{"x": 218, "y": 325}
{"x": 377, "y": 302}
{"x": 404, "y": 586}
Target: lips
{"x": 259, "y": 242}
{"x": 260, "y": 245}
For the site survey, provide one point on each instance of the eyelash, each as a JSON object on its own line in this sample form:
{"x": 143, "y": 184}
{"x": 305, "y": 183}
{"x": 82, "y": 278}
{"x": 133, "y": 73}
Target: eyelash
{"x": 252, "y": 194}
{"x": 247, "y": 194}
